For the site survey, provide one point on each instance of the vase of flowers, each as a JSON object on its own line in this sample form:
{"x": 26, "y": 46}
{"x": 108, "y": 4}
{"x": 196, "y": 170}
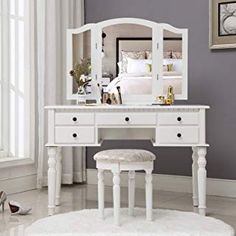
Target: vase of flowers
{"x": 81, "y": 73}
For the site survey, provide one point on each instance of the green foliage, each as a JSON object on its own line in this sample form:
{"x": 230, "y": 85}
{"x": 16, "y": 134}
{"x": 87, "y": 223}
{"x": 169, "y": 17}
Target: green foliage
{"x": 81, "y": 72}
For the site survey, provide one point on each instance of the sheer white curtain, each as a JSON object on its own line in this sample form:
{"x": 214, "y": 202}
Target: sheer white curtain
{"x": 53, "y": 18}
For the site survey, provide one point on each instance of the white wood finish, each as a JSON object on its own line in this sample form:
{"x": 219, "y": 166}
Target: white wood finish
{"x": 72, "y": 118}
{"x": 157, "y": 61}
{"x": 116, "y": 169}
{"x": 178, "y": 118}
{"x": 79, "y": 135}
{"x": 58, "y": 176}
{"x": 148, "y": 179}
{"x": 160, "y": 120}
{"x": 131, "y": 192}
{"x": 116, "y": 195}
{"x": 101, "y": 193}
{"x": 52, "y": 151}
{"x": 202, "y": 174}
{"x": 176, "y": 134}
{"x": 194, "y": 176}
{"x": 127, "y": 118}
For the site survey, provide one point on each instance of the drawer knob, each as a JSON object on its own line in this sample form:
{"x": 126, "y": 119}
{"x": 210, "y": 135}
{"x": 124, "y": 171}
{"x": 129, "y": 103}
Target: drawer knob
{"x": 127, "y": 119}
{"x": 179, "y": 135}
{"x": 74, "y": 135}
{"x": 179, "y": 118}
{"x": 74, "y": 119}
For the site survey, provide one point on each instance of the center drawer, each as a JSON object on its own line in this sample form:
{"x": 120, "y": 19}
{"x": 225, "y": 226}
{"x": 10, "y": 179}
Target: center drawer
{"x": 80, "y": 135}
{"x": 127, "y": 118}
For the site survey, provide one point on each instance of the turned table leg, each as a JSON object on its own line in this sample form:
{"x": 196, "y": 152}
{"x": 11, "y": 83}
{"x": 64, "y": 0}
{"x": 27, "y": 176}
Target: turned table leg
{"x": 195, "y": 176}
{"x": 52, "y": 152}
{"x": 131, "y": 192}
{"x": 202, "y": 174}
{"x": 58, "y": 175}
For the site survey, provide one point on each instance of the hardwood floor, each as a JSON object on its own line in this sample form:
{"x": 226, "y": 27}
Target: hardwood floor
{"x": 78, "y": 197}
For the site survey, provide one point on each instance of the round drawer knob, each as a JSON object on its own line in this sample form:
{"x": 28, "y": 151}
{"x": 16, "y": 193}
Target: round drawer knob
{"x": 127, "y": 119}
{"x": 74, "y": 119}
{"x": 179, "y": 135}
{"x": 179, "y": 119}
{"x": 74, "y": 135}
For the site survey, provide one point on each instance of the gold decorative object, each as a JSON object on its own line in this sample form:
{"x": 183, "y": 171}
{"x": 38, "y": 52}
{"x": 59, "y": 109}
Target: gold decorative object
{"x": 170, "y": 96}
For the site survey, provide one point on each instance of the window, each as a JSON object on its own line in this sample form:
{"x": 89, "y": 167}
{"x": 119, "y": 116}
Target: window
{"x": 16, "y": 78}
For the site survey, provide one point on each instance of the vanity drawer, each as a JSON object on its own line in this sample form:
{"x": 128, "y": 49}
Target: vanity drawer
{"x": 71, "y": 118}
{"x": 80, "y": 135}
{"x": 178, "y": 118}
{"x": 177, "y": 135}
{"x": 128, "y": 118}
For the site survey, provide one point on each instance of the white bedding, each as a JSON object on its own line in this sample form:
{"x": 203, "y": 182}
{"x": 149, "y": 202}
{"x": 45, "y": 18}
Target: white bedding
{"x": 130, "y": 84}
{"x": 142, "y": 84}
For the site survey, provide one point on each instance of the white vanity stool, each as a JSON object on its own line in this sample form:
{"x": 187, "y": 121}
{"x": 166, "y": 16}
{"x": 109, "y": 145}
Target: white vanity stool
{"x": 117, "y": 160}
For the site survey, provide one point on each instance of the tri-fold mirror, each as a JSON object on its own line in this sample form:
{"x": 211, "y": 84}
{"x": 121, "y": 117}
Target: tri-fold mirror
{"x": 142, "y": 58}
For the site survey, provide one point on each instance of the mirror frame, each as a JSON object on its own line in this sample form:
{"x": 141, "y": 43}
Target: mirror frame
{"x": 184, "y": 32}
{"x": 69, "y": 62}
{"x": 157, "y": 55}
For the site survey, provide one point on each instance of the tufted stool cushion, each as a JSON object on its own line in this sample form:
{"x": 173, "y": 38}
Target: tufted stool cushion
{"x": 124, "y": 155}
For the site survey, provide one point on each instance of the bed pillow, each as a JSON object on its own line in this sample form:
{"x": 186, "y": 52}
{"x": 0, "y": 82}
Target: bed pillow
{"x": 138, "y": 66}
{"x": 130, "y": 54}
{"x": 177, "y": 64}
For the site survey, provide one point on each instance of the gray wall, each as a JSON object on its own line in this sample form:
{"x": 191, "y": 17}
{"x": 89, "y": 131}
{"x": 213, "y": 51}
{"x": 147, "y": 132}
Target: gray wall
{"x": 212, "y": 81}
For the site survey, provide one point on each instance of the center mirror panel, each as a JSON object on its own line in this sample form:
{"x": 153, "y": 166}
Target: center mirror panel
{"x": 127, "y": 59}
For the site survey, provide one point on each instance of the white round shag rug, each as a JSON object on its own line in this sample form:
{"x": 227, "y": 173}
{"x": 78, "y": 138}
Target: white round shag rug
{"x": 166, "y": 223}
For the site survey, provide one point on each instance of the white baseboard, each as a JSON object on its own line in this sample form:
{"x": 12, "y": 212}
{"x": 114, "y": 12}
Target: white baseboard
{"x": 77, "y": 177}
{"x": 18, "y": 184}
{"x": 175, "y": 183}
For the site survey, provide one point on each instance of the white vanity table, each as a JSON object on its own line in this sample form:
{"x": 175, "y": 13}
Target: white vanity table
{"x": 164, "y": 126}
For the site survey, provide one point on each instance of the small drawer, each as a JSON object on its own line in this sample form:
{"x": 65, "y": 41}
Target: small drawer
{"x": 178, "y": 118}
{"x": 80, "y": 135}
{"x": 116, "y": 118}
{"x": 177, "y": 135}
{"x": 71, "y": 118}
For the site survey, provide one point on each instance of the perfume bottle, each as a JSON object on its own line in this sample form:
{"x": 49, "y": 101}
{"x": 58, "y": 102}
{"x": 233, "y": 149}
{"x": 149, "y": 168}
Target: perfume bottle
{"x": 170, "y": 96}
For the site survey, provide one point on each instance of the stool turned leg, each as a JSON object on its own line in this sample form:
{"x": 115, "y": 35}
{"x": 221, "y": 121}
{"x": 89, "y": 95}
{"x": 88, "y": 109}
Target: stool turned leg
{"x": 148, "y": 179}
{"x": 116, "y": 196}
{"x": 131, "y": 192}
{"x": 101, "y": 193}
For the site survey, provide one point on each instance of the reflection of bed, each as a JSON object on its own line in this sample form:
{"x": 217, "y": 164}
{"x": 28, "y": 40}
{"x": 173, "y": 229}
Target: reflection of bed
{"x": 127, "y": 83}
{"x": 133, "y": 80}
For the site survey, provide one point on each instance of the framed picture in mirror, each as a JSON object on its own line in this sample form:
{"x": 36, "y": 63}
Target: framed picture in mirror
{"x": 222, "y": 24}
